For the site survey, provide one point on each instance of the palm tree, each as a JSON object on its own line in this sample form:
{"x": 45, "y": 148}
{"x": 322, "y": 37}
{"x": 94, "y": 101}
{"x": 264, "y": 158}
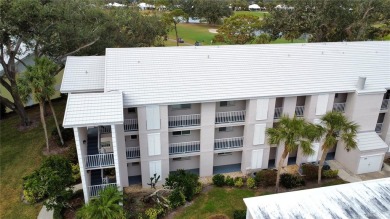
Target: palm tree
{"x": 337, "y": 127}
{"x": 107, "y": 205}
{"x": 38, "y": 81}
{"x": 293, "y": 133}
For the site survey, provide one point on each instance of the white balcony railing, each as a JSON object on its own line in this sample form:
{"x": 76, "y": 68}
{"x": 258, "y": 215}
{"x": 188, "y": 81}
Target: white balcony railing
{"x": 278, "y": 112}
{"x": 226, "y": 143}
{"x": 105, "y": 129}
{"x": 378, "y": 127}
{"x": 130, "y": 125}
{"x": 385, "y": 104}
{"x": 94, "y": 191}
{"x": 229, "y": 117}
{"x": 339, "y": 107}
{"x": 133, "y": 152}
{"x": 299, "y": 110}
{"x": 184, "y": 147}
{"x": 184, "y": 120}
{"x": 99, "y": 160}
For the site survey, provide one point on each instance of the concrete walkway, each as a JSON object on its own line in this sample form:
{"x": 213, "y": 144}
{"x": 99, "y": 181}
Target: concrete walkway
{"x": 45, "y": 214}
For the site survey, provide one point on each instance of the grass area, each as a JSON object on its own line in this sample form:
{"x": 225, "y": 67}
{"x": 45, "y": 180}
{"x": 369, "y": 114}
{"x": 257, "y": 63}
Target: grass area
{"x": 333, "y": 182}
{"x": 194, "y": 32}
{"x": 260, "y": 14}
{"x": 283, "y": 40}
{"x": 20, "y": 154}
{"x": 217, "y": 201}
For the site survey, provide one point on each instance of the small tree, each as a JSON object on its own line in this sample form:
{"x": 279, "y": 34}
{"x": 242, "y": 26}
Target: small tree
{"x": 153, "y": 181}
{"x": 293, "y": 133}
{"x": 184, "y": 181}
{"x": 107, "y": 205}
{"x": 336, "y": 127}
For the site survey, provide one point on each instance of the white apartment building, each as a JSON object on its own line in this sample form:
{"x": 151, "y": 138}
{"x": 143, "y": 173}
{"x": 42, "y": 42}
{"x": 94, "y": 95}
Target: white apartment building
{"x": 140, "y": 111}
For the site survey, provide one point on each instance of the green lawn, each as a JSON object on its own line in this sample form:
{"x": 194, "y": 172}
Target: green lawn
{"x": 20, "y": 154}
{"x": 261, "y": 14}
{"x": 217, "y": 201}
{"x": 194, "y": 32}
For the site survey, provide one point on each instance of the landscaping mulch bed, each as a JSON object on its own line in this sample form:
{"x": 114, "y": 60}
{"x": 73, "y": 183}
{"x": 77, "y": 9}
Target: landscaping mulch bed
{"x": 76, "y": 202}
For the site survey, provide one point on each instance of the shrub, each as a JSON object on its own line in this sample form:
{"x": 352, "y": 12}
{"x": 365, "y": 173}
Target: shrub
{"x": 187, "y": 182}
{"x": 290, "y": 181}
{"x": 219, "y": 180}
{"x": 176, "y": 199}
{"x": 266, "y": 178}
{"x": 251, "y": 183}
{"x": 229, "y": 181}
{"x": 238, "y": 182}
{"x": 76, "y": 173}
{"x": 71, "y": 154}
{"x": 239, "y": 214}
{"x": 154, "y": 213}
{"x": 310, "y": 171}
{"x": 198, "y": 188}
{"x": 330, "y": 173}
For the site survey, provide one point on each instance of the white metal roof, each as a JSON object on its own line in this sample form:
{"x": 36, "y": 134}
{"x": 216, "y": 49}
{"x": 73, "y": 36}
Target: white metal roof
{"x": 209, "y": 73}
{"x": 367, "y": 199}
{"x": 89, "y": 109}
{"x": 83, "y": 73}
{"x": 370, "y": 141}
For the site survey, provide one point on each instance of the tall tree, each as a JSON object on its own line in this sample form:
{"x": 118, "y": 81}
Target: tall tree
{"x": 328, "y": 20}
{"x": 38, "y": 82}
{"x": 107, "y": 205}
{"x": 293, "y": 133}
{"x": 337, "y": 128}
{"x": 173, "y": 18}
{"x": 212, "y": 10}
{"x": 240, "y": 29}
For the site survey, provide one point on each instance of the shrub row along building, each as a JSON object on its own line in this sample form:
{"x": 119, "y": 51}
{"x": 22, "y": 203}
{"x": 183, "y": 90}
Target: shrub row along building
{"x": 140, "y": 111}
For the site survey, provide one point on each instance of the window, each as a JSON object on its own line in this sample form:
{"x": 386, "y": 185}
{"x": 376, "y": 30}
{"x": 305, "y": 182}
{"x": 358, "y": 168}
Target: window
{"x": 133, "y": 137}
{"x": 181, "y": 106}
{"x": 226, "y": 103}
{"x": 179, "y": 133}
{"x": 132, "y": 110}
{"x": 225, "y": 129}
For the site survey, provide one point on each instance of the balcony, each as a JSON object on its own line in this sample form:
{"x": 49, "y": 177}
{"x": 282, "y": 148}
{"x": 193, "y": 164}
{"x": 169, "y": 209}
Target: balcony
{"x": 299, "y": 110}
{"x": 184, "y": 147}
{"x": 230, "y": 117}
{"x": 228, "y": 143}
{"x": 93, "y": 191}
{"x": 385, "y": 104}
{"x": 99, "y": 160}
{"x": 133, "y": 152}
{"x": 130, "y": 125}
{"x": 105, "y": 129}
{"x": 378, "y": 128}
{"x": 339, "y": 107}
{"x": 278, "y": 112}
{"x": 184, "y": 120}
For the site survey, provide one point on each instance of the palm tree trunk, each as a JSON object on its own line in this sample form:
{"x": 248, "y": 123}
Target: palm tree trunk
{"x": 281, "y": 162}
{"x": 41, "y": 109}
{"x": 55, "y": 120}
{"x": 177, "y": 37}
{"x": 321, "y": 164}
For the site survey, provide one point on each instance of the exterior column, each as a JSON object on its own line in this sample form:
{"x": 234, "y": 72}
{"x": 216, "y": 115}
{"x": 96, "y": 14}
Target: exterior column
{"x": 119, "y": 149}
{"x": 207, "y": 139}
{"x": 80, "y": 135}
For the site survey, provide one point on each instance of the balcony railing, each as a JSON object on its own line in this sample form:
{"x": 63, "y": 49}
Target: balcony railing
{"x": 133, "y": 152}
{"x": 130, "y": 125}
{"x": 184, "y": 147}
{"x": 99, "y": 160}
{"x": 339, "y": 107}
{"x": 105, "y": 129}
{"x": 94, "y": 191}
{"x": 385, "y": 104}
{"x": 184, "y": 120}
{"x": 299, "y": 110}
{"x": 378, "y": 127}
{"x": 278, "y": 112}
{"x": 230, "y": 117}
{"x": 227, "y": 143}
